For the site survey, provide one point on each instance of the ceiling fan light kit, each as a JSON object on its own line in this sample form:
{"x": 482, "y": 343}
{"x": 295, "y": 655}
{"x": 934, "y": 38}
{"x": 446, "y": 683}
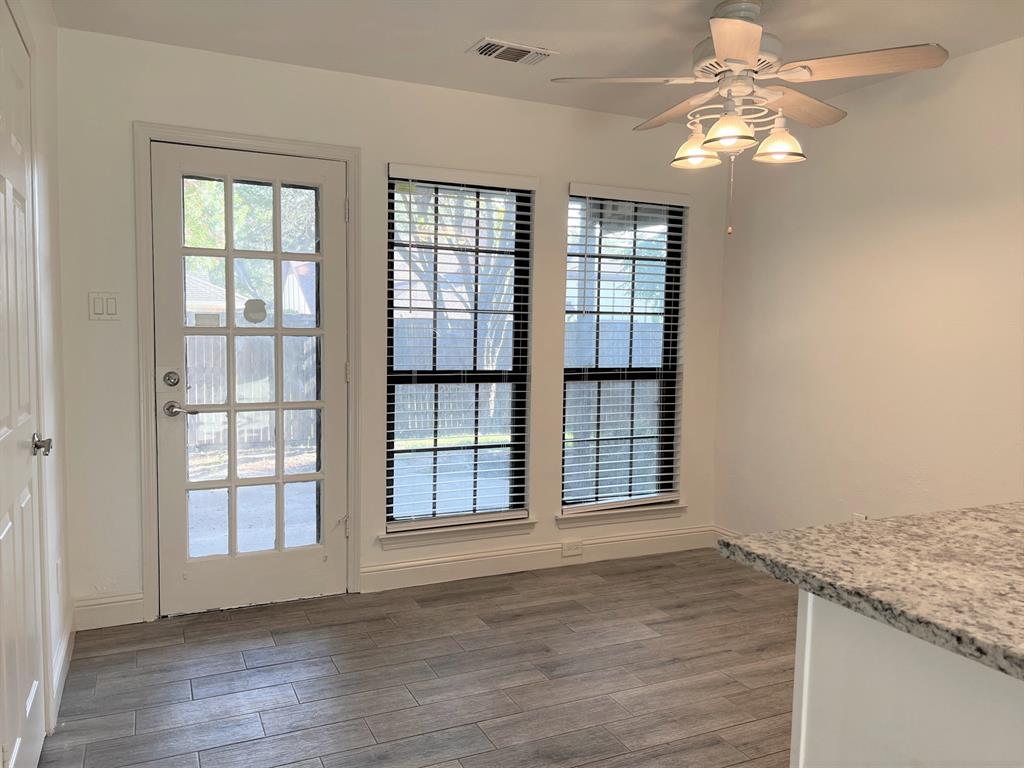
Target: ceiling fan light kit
{"x": 692, "y": 155}
{"x": 780, "y": 146}
{"x": 730, "y": 133}
{"x": 736, "y": 58}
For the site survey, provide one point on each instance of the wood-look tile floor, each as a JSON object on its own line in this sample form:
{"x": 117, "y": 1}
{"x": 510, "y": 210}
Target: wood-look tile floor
{"x": 667, "y": 661}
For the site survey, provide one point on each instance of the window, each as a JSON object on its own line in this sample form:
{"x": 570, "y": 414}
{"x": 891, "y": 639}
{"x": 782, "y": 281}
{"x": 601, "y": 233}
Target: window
{"x": 458, "y": 300}
{"x": 623, "y": 287}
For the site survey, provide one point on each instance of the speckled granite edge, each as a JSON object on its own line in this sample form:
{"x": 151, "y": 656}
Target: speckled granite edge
{"x": 743, "y": 549}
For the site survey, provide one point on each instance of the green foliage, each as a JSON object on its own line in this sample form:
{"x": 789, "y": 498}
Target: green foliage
{"x": 209, "y": 268}
{"x": 299, "y": 219}
{"x": 203, "y": 203}
{"x": 253, "y": 216}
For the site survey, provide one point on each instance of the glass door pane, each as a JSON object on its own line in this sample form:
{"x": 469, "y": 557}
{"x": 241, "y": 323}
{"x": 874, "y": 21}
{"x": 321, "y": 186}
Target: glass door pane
{"x": 238, "y": 455}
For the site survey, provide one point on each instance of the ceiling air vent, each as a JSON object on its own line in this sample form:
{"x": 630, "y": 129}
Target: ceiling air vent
{"x": 517, "y": 53}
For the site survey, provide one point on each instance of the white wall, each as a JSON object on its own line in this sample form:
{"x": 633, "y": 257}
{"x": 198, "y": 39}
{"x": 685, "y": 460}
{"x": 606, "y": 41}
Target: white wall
{"x": 107, "y": 82}
{"x": 39, "y": 25}
{"x": 872, "y": 340}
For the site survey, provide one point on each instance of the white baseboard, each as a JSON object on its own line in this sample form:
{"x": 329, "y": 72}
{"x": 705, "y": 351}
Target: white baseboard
{"x": 727, "y": 533}
{"x": 109, "y": 611}
{"x": 60, "y": 664}
{"x": 431, "y": 570}
{"x": 129, "y": 608}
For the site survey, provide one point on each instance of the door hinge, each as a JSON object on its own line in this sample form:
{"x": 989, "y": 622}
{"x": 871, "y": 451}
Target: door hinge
{"x": 348, "y": 371}
{"x": 346, "y": 209}
{"x": 348, "y": 526}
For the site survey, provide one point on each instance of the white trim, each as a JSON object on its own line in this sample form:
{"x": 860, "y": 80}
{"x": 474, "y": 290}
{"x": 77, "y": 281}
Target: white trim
{"x": 619, "y": 515}
{"x": 459, "y": 176}
{"x": 421, "y": 537}
{"x": 147, "y": 370}
{"x": 452, "y": 521}
{"x": 582, "y": 189}
{"x": 707, "y": 535}
{"x": 801, "y": 677}
{"x": 727, "y": 533}
{"x": 110, "y": 610}
{"x": 489, "y": 562}
{"x": 144, "y": 134}
{"x": 60, "y": 664}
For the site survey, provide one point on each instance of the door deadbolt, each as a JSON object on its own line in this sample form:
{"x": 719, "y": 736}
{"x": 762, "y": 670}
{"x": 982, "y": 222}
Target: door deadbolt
{"x": 172, "y": 379}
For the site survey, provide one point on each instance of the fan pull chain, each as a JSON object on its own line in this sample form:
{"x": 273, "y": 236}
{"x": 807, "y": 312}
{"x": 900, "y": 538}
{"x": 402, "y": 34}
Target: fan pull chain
{"x": 728, "y": 205}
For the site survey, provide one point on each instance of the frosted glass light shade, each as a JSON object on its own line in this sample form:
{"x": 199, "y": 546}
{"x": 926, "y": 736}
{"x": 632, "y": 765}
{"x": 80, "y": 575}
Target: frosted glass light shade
{"x": 730, "y": 133}
{"x": 691, "y": 155}
{"x": 780, "y": 146}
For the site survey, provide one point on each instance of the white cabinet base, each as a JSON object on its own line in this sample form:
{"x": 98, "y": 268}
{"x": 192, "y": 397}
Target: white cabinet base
{"x": 868, "y": 695}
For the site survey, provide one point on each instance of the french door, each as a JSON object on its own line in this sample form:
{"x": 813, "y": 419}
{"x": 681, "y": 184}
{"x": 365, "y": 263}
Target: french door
{"x": 21, "y": 637}
{"x": 250, "y": 297}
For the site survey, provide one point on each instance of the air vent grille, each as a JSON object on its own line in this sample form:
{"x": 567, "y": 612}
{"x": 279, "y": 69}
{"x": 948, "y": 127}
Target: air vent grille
{"x": 516, "y": 53}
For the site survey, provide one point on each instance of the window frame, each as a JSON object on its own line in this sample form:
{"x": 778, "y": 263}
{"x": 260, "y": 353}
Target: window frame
{"x": 670, "y": 406}
{"x": 523, "y": 189}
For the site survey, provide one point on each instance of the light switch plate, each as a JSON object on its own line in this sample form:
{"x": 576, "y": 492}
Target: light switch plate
{"x": 104, "y": 306}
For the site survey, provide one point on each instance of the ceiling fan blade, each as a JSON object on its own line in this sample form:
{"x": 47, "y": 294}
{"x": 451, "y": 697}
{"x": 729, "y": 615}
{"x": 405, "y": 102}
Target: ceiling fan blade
{"x": 627, "y": 80}
{"x": 679, "y": 110}
{"x": 736, "y": 40}
{"x": 801, "y": 107}
{"x": 888, "y": 61}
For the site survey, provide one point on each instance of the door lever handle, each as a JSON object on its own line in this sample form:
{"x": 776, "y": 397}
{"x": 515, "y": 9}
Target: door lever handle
{"x": 41, "y": 444}
{"x": 173, "y": 408}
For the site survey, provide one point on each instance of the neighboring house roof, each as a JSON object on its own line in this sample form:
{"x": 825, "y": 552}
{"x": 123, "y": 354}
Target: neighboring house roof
{"x": 205, "y": 296}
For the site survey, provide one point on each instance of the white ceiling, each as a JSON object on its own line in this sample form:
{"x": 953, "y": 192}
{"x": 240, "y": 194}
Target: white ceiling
{"x": 424, "y": 41}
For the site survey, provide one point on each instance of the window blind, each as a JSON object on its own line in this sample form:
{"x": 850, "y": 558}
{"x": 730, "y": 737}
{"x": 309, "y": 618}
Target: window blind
{"x": 624, "y": 282}
{"x": 458, "y": 301}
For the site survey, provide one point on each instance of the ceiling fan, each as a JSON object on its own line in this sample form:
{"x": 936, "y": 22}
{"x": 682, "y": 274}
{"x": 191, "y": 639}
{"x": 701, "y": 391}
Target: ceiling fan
{"x": 741, "y": 60}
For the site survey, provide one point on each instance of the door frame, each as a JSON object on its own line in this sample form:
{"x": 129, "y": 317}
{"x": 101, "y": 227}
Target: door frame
{"x": 144, "y": 134}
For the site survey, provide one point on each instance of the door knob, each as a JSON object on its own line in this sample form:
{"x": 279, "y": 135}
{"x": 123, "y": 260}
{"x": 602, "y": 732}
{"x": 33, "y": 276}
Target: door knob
{"x": 173, "y": 408}
{"x": 41, "y": 444}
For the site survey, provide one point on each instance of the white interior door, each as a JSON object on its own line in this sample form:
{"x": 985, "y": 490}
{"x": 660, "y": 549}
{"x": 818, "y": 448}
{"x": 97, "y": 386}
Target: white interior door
{"x": 21, "y": 641}
{"x": 250, "y": 296}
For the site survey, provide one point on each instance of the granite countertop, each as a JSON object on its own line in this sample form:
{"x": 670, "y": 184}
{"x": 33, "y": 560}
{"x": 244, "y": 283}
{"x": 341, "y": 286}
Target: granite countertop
{"x": 954, "y": 579}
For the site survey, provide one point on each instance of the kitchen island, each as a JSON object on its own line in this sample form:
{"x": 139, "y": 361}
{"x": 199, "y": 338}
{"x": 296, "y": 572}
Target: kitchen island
{"x": 910, "y": 637}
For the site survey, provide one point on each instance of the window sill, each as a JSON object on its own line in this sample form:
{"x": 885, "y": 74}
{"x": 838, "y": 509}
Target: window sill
{"x": 423, "y": 537}
{"x": 621, "y": 515}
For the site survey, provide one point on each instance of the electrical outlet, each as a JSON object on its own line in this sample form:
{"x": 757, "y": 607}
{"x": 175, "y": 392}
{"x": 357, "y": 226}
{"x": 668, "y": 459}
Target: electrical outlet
{"x": 572, "y": 548}
{"x": 859, "y": 517}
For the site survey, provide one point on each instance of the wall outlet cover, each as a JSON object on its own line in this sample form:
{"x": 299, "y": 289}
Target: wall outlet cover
{"x": 572, "y": 548}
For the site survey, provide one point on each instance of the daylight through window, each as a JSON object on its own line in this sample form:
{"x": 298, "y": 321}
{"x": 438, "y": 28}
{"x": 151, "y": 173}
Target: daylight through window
{"x": 458, "y": 295}
{"x": 623, "y": 288}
